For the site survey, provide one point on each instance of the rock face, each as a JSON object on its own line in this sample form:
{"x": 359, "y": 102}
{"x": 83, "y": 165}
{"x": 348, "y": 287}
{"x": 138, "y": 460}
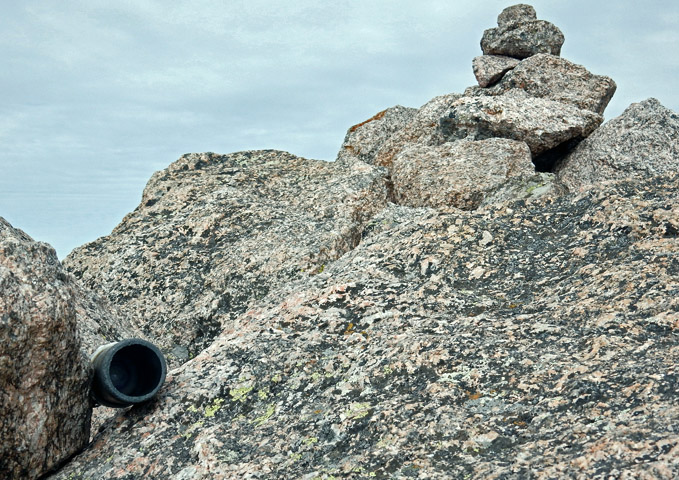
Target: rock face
{"x": 44, "y": 396}
{"x": 427, "y": 306}
{"x": 520, "y": 34}
{"x": 642, "y": 142}
{"x": 519, "y": 338}
{"x": 214, "y": 232}
{"x": 457, "y": 174}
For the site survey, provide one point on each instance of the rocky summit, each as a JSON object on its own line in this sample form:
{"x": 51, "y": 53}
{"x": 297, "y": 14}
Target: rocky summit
{"x": 483, "y": 287}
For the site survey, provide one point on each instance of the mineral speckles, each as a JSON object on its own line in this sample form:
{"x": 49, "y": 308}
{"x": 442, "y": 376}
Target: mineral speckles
{"x": 44, "y": 392}
{"x": 519, "y": 34}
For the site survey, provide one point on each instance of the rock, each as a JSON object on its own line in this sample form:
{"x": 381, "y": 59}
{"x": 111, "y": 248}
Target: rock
{"x": 515, "y": 15}
{"x": 488, "y": 69}
{"x": 543, "y": 124}
{"x": 364, "y": 140}
{"x": 422, "y": 129}
{"x": 555, "y": 78}
{"x": 215, "y": 232}
{"x": 520, "y": 34}
{"x": 458, "y": 174}
{"x": 44, "y": 377}
{"x": 523, "y": 337}
{"x": 642, "y": 142}
{"x": 539, "y": 187}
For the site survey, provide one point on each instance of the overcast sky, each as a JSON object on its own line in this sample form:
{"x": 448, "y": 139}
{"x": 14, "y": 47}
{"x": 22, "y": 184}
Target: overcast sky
{"x": 97, "y": 94}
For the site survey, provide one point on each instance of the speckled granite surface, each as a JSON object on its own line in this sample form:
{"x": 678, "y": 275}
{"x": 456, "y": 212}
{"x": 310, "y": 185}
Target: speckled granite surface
{"x": 516, "y": 341}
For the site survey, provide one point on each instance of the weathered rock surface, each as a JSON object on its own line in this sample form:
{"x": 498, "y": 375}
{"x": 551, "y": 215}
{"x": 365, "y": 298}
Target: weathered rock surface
{"x": 516, "y": 14}
{"x": 643, "y": 141}
{"x": 522, "y": 37}
{"x": 518, "y": 340}
{"x": 405, "y": 129}
{"x": 214, "y": 232}
{"x": 458, "y": 174}
{"x": 364, "y": 140}
{"x": 555, "y": 78}
{"x": 44, "y": 376}
{"x": 542, "y": 123}
{"x": 488, "y": 69}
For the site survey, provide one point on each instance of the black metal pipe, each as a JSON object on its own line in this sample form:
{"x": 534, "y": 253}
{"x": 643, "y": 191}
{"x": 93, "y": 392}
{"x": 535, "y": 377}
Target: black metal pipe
{"x": 127, "y": 372}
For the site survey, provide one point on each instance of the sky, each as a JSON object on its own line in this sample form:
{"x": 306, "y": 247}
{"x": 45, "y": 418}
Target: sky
{"x": 96, "y": 95}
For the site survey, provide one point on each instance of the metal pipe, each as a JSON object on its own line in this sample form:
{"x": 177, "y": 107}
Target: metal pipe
{"x": 127, "y": 372}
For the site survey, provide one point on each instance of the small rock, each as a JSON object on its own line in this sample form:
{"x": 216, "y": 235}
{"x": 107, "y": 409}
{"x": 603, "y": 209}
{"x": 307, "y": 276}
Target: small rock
{"x": 519, "y": 34}
{"x": 457, "y": 174}
{"x": 642, "y": 142}
{"x": 488, "y": 69}
{"x": 516, "y": 14}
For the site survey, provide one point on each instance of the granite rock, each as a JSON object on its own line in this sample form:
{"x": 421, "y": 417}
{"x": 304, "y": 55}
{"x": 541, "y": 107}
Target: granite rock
{"x": 542, "y": 123}
{"x": 406, "y": 128}
{"x": 515, "y": 15}
{"x": 44, "y": 376}
{"x": 488, "y": 69}
{"x": 519, "y": 340}
{"x": 215, "y": 232}
{"x": 643, "y": 141}
{"x": 364, "y": 140}
{"x": 520, "y": 34}
{"x": 458, "y": 174}
{"x": 555, "y": 78}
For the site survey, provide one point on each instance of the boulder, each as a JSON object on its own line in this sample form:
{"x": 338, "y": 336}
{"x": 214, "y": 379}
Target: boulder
{"x": 642, "y": 142}
{"x": 44, "y": 376}
{"x": 215, "y": 232}
{"x": 422, "y": 129}
{"x": 488, "y": 69}
{"x": 555, "y": 78}
{"x": 457, "y": 174}
{"x": 542, "y": 123}
{"x": 525, "y": 337}
{"x": 519, "y": 34}
{"x": 365, "y": 139}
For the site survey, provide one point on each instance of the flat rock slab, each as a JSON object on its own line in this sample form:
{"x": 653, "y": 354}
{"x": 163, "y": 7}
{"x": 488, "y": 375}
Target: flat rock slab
{"x": 496, "y": 343}
{"x": 642, "y": 142}
{"x": 555, "y": 78}
{"x": 542, "y": 123}
{"x": 488, "y": 69}
{"x": 215, "y": 232}
{"x": 523, "y": 39}
{"x": 44, "y": 377}
{"x": 458, "y": 174}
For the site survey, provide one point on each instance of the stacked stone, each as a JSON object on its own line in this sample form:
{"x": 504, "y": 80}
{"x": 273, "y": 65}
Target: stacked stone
{"x": 528, "y": 92}
{"x": 519, "y": 35}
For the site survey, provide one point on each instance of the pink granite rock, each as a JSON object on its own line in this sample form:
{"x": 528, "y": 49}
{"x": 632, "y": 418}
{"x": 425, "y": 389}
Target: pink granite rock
{"x": 488, "y": 69}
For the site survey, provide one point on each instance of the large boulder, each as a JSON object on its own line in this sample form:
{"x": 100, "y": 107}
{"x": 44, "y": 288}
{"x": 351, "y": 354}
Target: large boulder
{"x": 642, "y": 142}
{"x": 495, "y": 343}
{"x": 555, "y": 78}
{"x": 215, "y": 232}
{"x": 519, "y": 34}
{"x": 458, "y": 174}
{"x": 542, "y": 123}
{"x": 44, "y": 376}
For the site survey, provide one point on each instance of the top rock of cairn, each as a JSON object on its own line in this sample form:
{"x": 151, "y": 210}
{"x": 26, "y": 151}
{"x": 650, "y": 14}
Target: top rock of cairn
{"x": 520, "y": 34}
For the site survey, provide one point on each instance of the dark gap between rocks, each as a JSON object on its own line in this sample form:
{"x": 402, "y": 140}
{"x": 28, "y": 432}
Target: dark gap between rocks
{"x": 549, "y": 161}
